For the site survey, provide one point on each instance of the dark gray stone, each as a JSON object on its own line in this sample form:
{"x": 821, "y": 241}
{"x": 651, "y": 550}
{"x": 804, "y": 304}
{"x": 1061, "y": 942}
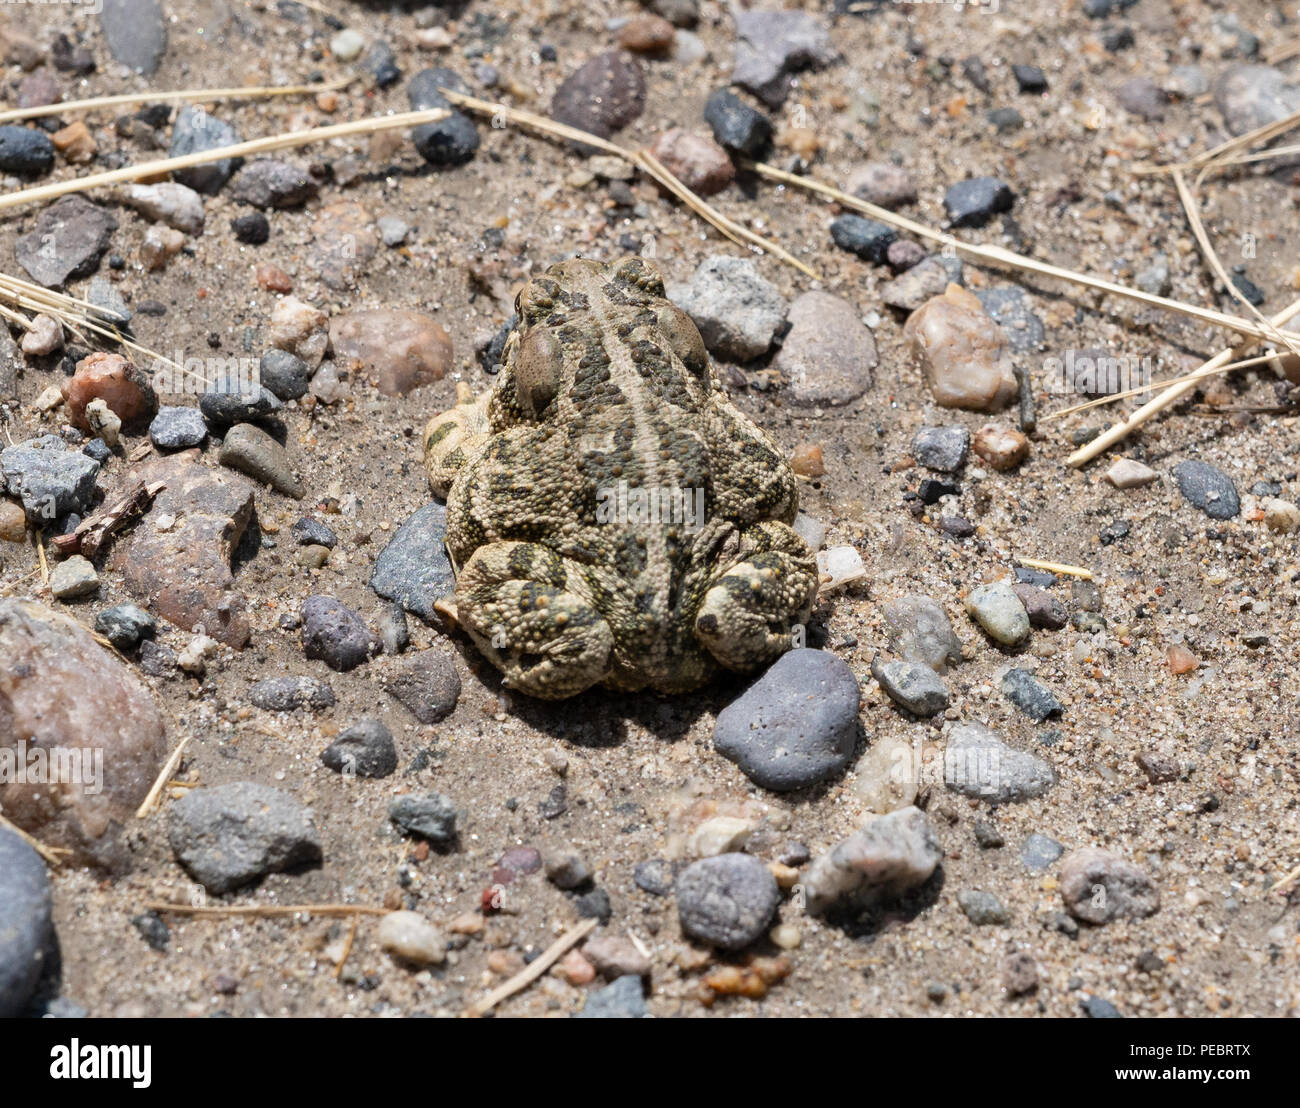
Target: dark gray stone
{"x": 424, "y": 89}
{"x": 623, "y": 999}
{"x": 136, "y": 33}
{"x": 287, "y": 694}
{"x": 981, "y": 908}
{"x": 1010, "y": 309}
{"x": 413, "y": 568}
{"x": 1029, "y": 78}
{"x": 602, "y": 96}
{"x": 335, "y": 634}
{"x": 654, "y": 876}
{"x": 973, "y": 202}
{"x": 943, "y": 449}
{"x": 50, "y": 479}
{"x": 312, "y": 532}
{"x": 26, "y": 924}
{"x": 25, "y": 151}
{"x": 177, "y": 428}
{"x": 366, "y": 749}
{"x": 228, "y": 836}
{"x": 284, "y": 375}
{"x": 125, "y": 625}
{"x": 737, "y": 126}
{"x": 431, "y": 817}
{"x": 727, "y": 901}
{"x": 911, "y": 685}
{"x": 1206, "y": 487}
{"x": 1039, "y": 852}
{"x": 1031, "y": 696}
{"x": 447, "y": 142}
{"x": 225, "y": 402}
{"x": 796, "y": 725}
{"x": 427, "y": 683}
{"x": 867, "y": 238}
{"x": 194, "y": 130}
{"x": 69, "y": 238}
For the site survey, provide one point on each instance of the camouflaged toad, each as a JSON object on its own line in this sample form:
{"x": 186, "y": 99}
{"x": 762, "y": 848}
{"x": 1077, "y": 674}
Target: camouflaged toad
{"x": 613, "y": 517}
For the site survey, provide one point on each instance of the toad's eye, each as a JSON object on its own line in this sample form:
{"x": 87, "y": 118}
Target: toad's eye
{"x": 538, "y": 369}
{"x": 684, "y": 338}
{"x": 537, "y": 299}
{"x": 639, "y": 273}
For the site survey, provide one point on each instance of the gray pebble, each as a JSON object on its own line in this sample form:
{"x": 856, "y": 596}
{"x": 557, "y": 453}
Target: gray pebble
{"x": 911, "y": 685}
{"x": 943, "y": 449}
{"x": 1028, "y": 694}
{"x": 125, "y": 625}
{"x": 981, "y": 908}
{"x": 1039, "y": 852}
{"x": 978, "y": 764}
{"x": 336, "y": 634}
{"x": 26, "y": 923}
{"x": 366, "y": 749}
{"x": 1206, "y": 487}
{"x": 622, "y": 999}
{"x": 251, "y": 450}
{"x": 288, "y": 694}
{"x": 413, "y": 568}
{"x": 727, "y": 901}
{"x": 431, "y": 817}
{"x": 177, "y": 428}
{"x": 427, "y": 683}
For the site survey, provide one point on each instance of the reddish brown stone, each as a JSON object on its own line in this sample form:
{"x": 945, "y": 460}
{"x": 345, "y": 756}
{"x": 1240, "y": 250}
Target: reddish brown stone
{"x": 184, "y": 572}
{"x": 398, "y": 350}
{"x": 646, "y": 34}
{"x": 699, "y": 162}
{"x": 110, "y": 377}
{"x": 66, "y": 700}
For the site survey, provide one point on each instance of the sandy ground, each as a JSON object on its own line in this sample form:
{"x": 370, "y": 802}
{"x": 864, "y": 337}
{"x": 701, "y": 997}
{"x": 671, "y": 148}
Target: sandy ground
{"x": 641, "y": 770}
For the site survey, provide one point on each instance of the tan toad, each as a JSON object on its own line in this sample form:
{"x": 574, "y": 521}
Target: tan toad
{"x": 613, "y": 517}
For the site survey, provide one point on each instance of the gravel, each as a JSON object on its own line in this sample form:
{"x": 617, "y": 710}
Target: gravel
{"x": 335, "y": 634}
{"x": 978, "y": 764}
{"x": 727, "y": 901}
{"x": 431, "y": 817}
{"x": 366, "y": 749}
{"x": 911, "y": 685}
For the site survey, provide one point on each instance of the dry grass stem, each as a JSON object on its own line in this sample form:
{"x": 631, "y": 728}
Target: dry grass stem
{"x": 53, "y": 855}
{"x": 160, "y": 782}
{"x": 534, "y": 969}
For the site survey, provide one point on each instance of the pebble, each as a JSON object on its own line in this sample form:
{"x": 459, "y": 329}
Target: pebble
{"x": 25, "y": 151}
{"x": 271, "y": 183}
{"x": 75, "y": 143}
{"x": 1187, "y": 82}
{"x": 828, "y": 356}
{"x": 399, "y": 350}
{"x": 736, "y": 126}
{"x": 13, "y": 522}
{"x": 1128, "y": 474}
{"x": 1098, "y": 887}
{"x": 1043, "y": 609}
{"x": 912, "y": 685}
{"x": 903, "y": 254}
{"x": 229, "y": 836}
{"x": 381, "y": 63}
{"x": 1039, "y": 852}
{"x": 1031, "y": 696}
{"x": 229, "y": 401}
{"x": 720, "y": 835}
{"x": 167, "y": 202}
{"x": 796, "y": 725}
{"x": 1029, "y": 78}
{"x": 409, "y": 937}
{"x": 288, "y": 694}
{"x": 50, "y": 479}
{"x": 920, "y": 631}
{"x": 982, "y": 908}
{"x": 197, "y": 129}
{"x": 26, "y": 923}
{"x": 111, "y": 378}
{"x": 884, "y": 184}
{"x": 1281, "y": 516}
{"x": 1019, "y": 973}
{"x": 312, "y": 532}
{"x": 103, "y": 295}
{"x": 1253, "y": 96}
{"x": 772, "y": 45}
{"x": 1009, "y": 307}
{"x": 602, "y": 96}
{"x": 73, "y": 579}
{"x": 1143, "y": 98}
{"x": 1159, "y": 768}
{"x": 654, "y": 876}
{"x": 447, "y": 142}
{"x": 431, "y": 817}
{"x": 1208, "y": 488}
{"x": 727, "y": 901}
{"x": 45, "y": 336}
{"x": 988, "y": 836}
{"x": 67, "y": 241}
{"x": 251, "y": 450}
{"x": 566, "y": 869}
{"x": 942, "y": 449}
{"x": 867, "y": 238}
{"x": 696, "y": 160}
{"x": 427, "y": 683}
{"x": 413, "y": 568}
{"x": 301, "y": 329}
{"x": 1002, "y": 447}
{"x": 335, "y": 634}
{"x": 366, "y": 749}
{"x": 392, "y": 230}
{"x": 177, "y": 428}
{"x": 973, "y": 202}
{"x": 623, "y": 999}
{"x": 136, "y": 33}
{"x": 978, "y": 764}
{"x": 646, "y": 34}
{"x": 39, "y": 89}
{"x": 1006, "y": 120}
{"x": 927, "y": 279}
{"x": 1096, "y": 1008}
{"x": 887, "y": 857}
{"x": 737, "y": 310}
{"x": 347, "y": 44}
{"x": 616, "y": 956}
{"x": 252, "y": 229}
{"x": 997, "y": 609}
{"x": 962, "y": 352}
{"x": 285, "y": 375}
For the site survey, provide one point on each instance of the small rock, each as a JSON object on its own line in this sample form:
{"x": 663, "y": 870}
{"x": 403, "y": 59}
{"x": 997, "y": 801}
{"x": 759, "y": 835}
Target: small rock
{"x": 1032, "y": 697}
{"x": 1012, "y": 311}
{"x": 413, "y": 569}
{"x": 392, "y": 230}
{"x": 251, "y": 450}
{"x": 988, "y": 836}
{"x": 45, "y": 336}
{"x": 75, "y": 143}
{"x": 111, "y": 378}
{"x": 1029, "y": 78}
{"x": 962, "y": 352}
{"x": 998, "y": 610}
{"x": 1143, "y": 98}
{"x": 867, "y": 238}
{"x": 1043, "y": 609}
{"x": 911, "y": 685}
{"x": 603, "y": 96}
{"x": 347, "y": 45}
{"x": 696, "y": 160}
{"x": 431, "y": 817}
{"x": 177, "y": 428}
{"x": 567, "y": 870}
{"x": 1098, "y": 887}
{"x": 1019, "y": 974}
{"x": 288, "y": 694}
{"x": 13, "y": 522}
{"x": 654, "y": 876}
{"x": 26, "y": 923}
{"x": 400, "y": 350}
{"x": 1128, "y": 474}
{"x": 228, "y": 836}
{"x": 737, "y": 126}
{"x": 136, "y": 33}
{"x": 1253, "y": 96}
{"x": 299, "y": 328}
{"x": 886, "y": 858}
{"x": 1000, "y": 446}
{"x": 771, "y": 45}
{"x": 982, "y": 909}
{"x": 1158, "y": 768}
{"x": 67, "y": 241}
{"x": 233, "y": 401}
{"x": 919, "y": 631}
{"x": 943, "y": 449}
{"x": 335, "y": 634}
{"x": 25, "y": 151}
{"x": 73, "y": 579}
{"x": 727, "y": 901}
{"x": 736, "y": 309}
{"x": 270, "y": 183}
{"x": 904, "y": 254}
{"x": 978, "y": 764}
{"x": 167, "y": 202}
{"x": 48, "y": 478}
{"x": 973, "y": 202}
{"x": 1207, "y": 488}
{"x": 624, "y": 999}
{"x": 883, "y": 184}
{"x": 796, "y": 725}
{"x": 426, "y": 682}
{"x": 312, "y": 532}
{"x": 1281, "y": 516}
{"x": 616, "y": 956}
{"x": 284, "y": 375}
{"x": 253, "y": 228}
{"x": 1094, "y": 1007}
{"x": 366, "y": 749}
{"x": 927, "y": 279}
{"x": 719, "y": 835}
{"x": 411, "y": 938}
{"x": 828, "y": 356}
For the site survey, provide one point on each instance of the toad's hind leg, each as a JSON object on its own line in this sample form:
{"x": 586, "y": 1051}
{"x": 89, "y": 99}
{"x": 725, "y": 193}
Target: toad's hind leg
{"x": 452, "y": 437}
{"x": 749, "y": 614}
{"x": 515, "y": 600}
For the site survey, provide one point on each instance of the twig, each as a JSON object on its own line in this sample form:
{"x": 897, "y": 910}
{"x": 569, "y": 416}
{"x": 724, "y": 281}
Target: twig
{"x": 40, "y": 550}
{"x": 266, "y": 910}
{"x": 51, "y": 854}
{"x": 534, "y": 969}
{"x": 94, "y": 531}
{"x": 1169, "y": 396}
{"x": 1286, "y": 880}
{"x": 204, "y": 95}
{"x": 1057, "y": 567}
{"x": 286, "y": 141}
{"x": 347, "y": 946}
{"x": 160, "y": 782}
